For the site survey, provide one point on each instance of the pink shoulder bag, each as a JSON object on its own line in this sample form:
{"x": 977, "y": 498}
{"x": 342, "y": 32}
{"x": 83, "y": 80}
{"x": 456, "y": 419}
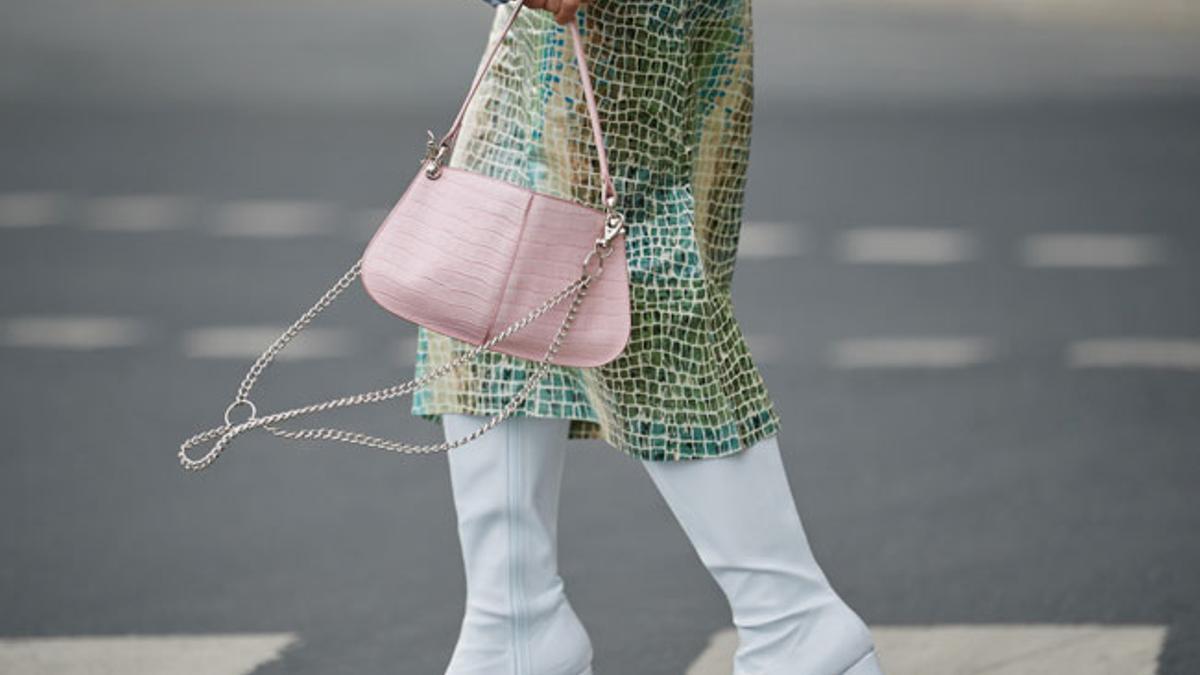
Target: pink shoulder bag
{"x": 486, "y": 262}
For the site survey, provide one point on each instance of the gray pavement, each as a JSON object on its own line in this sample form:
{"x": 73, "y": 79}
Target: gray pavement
{"x": 973, "y": 297}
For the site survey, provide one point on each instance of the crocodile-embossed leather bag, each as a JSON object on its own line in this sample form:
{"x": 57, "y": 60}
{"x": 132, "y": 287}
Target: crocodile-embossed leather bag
{"x": 490, "y": 263}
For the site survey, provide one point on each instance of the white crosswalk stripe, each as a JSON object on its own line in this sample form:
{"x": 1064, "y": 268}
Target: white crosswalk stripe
{"x": 138, "y": 213}
{"x": 31, "y": 209}
{"x": 910, "y": 352}
{"x": 995, "y": 649}
{"x": 1111, "y": 251}
{"x": 906, "y": 246}
{"x": 131, "y": 654}
{"x": 978, "y": 649}
{"x": 247, "y": 342}
{"x": 1135, "y": 353}
{"x": 78, "y": 333}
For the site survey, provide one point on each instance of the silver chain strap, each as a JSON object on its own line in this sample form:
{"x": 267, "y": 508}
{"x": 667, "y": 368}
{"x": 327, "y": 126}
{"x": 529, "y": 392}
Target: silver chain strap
{"x": 591, "y": 269}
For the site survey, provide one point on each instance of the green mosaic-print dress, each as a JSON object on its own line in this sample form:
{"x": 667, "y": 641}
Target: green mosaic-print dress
{"x": 674, "y": 85}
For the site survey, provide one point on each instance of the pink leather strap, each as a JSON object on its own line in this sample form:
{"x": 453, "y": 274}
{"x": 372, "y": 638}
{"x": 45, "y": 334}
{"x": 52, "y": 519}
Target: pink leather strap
{"x": 589, "y": 96}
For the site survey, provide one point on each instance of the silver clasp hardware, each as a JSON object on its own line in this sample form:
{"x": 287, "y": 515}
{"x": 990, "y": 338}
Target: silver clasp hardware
{"x": 614, "y": 224}
{"x": 435, "y": 154}
{"x": 593, "y": 262}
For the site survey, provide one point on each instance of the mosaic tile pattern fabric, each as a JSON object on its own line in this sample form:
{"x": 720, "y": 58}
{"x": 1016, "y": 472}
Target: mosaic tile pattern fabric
{"x": 674, "y": 85}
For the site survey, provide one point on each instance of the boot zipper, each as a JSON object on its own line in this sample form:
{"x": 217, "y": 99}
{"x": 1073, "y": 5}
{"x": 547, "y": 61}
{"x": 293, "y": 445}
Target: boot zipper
{"x": 516, "y": 552}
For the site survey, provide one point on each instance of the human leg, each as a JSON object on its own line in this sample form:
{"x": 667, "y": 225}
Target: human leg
{"x": 506, "y": 487}
{"x": 740, "y": 516}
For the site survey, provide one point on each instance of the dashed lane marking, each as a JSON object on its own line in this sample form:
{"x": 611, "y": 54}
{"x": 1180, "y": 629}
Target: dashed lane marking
{"x": 910, "y": 352}
{"x": 771, "y": 240}
{"x": 979, "y": 649}
{"x": 404, "y": 352}
{"x": 78, "y": 333}
{"x": 273, "y": 219}
{"x": 126, "y": 654}
{"x": 247, "y": 342}
{"x": 906, "y": 246}
{"x": 86, "y": 333}
{"x": 366, "y": 223}
{"x": 282, "y": 219}
{"x": 1103, "y": 251}
{"x": 1135, "y": 353}
{"x": 31, "y": 209}
{"x": 769, "y": 349}
{"x": 138, "y": 213}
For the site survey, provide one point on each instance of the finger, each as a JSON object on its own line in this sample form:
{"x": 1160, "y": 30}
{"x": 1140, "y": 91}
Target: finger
{"x": 535, "y": 4}
{"x": 552, "y": 6}
{"x": 566, "y": 12}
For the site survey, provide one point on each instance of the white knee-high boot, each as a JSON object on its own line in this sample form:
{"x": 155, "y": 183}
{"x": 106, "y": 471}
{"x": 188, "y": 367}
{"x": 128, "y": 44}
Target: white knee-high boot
{"x": 506, "y": 492}
{"x": 740, "y": 516}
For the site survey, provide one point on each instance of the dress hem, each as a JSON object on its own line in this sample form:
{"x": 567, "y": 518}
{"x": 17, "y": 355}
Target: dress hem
{"x": 590, "y": 429}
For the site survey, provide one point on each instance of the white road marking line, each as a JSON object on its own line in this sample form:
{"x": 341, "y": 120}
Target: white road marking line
{"x": 1112, "y": 251}
{"x": 126, "y": 654}
{"x": 1171, "y": 14}
{"x": 138, "y": 213}
{"x": 72, "y": 332}
{"x": 273, "y": 219}
{"x": 1029, "y": 649}
{"x": 771, "y": 240}
{"x": 1134, "y": 353}
{"x": 717, "y": 657}
{"x": 367, "y": 223}
{"x": 247, "y": 342}
{"x": 31, "y": 209}
{"x": 768, "y": 349}
{"x": 910, "y": 352}
{"x": 906, "y": 246}
{"x": 405, "y": 351}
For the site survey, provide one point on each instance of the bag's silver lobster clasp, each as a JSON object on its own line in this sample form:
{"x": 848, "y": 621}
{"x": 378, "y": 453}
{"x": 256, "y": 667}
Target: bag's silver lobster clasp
{"x": 614, "y": 224}
{"x": 435, "y": 154}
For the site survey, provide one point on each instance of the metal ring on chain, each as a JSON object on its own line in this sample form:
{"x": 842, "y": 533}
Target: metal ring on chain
{"x": 235, "y": 405}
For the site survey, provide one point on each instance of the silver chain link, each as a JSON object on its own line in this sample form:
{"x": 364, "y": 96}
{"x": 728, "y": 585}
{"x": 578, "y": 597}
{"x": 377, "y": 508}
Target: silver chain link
{"x": 592, "y": 268}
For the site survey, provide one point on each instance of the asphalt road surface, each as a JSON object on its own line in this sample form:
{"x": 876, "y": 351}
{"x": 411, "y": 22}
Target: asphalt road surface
{"x": 970, "y": 273}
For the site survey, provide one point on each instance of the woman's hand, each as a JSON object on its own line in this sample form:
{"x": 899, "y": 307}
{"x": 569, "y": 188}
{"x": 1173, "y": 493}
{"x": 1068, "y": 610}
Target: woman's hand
{"x": 563, "y": 10}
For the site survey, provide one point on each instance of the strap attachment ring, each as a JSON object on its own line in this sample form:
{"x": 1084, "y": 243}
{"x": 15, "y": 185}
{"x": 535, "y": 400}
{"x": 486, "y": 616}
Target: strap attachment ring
{"x": 237, "y": 404}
